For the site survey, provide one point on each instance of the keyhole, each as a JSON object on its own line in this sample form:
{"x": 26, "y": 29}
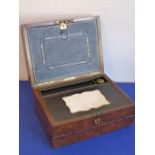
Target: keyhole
{"x": 64, "y": 35}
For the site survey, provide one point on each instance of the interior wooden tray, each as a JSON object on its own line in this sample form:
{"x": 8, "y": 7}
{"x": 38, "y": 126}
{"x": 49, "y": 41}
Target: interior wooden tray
{"x": 59, "y": 110}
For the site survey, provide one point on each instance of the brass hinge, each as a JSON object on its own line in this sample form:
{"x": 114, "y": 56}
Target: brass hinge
{"x": 70, "y": 78}
{"x": 50, "y": 83}
{"x": 45, "y": 84}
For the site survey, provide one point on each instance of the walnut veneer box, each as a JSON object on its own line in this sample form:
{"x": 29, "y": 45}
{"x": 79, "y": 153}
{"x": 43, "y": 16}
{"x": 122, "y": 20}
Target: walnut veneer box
{"x": 63, "y": 58}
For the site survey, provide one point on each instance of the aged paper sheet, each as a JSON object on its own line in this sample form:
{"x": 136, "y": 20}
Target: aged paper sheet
{"x": 85, "y": 101}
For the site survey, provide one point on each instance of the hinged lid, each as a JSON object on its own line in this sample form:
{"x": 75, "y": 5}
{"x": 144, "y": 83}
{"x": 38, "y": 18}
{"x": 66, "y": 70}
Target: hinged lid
{"x": 63, "y": 50}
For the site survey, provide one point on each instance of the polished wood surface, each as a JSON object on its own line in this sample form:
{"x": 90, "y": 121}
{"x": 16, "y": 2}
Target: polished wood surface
{"x": 75, "y": 129}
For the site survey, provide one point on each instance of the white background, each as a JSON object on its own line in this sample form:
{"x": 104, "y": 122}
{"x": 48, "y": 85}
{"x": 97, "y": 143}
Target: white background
{"x": 117, "y": 25}
{"x": 145, "y": 78}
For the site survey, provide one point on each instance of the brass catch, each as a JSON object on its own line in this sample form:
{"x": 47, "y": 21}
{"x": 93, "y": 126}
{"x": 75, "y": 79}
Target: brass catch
{"x": 63, "y": 24}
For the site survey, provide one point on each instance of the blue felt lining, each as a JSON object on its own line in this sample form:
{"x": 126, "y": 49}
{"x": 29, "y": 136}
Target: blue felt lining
{"x": 57, "y": 54}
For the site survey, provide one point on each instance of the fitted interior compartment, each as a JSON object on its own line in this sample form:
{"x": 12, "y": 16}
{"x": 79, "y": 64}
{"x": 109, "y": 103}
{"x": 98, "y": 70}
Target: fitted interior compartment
{"x": 65, "y": 88}
{"x": 60, "y": 111}
{"x": 58, "y": 90}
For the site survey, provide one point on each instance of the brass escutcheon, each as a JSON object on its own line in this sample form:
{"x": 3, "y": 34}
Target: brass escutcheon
{"x": 97, "y": 121}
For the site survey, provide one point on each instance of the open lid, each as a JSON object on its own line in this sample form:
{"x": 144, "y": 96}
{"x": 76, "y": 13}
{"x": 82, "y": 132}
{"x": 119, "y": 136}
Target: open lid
{"x": 63, "y": 50}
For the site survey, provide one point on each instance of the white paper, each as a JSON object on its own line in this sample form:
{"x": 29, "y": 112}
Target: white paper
{"x": 85, "y": 101}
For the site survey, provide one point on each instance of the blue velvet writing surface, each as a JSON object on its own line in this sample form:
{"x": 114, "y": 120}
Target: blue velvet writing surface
{"x": 33, "y": 141}
{"x": 59, "y": 54}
